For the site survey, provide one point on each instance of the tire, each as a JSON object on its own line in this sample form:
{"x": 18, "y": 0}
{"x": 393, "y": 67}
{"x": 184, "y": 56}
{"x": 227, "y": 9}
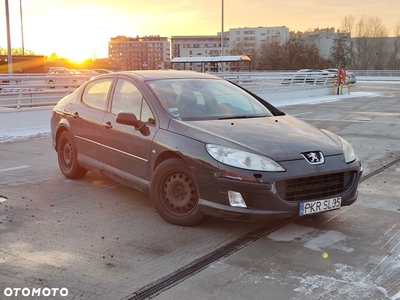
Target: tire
{"x": 174, "y": 194}
{"x": 51, "y": 82}
{"x": 67, "y": 157}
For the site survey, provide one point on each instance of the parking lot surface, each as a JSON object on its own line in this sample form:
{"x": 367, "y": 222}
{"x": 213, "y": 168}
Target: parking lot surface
{"x": 100, "y": 240}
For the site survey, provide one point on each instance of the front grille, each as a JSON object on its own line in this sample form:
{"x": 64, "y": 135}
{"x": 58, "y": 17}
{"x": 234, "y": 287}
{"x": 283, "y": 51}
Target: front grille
{"x": 315, "y": 187}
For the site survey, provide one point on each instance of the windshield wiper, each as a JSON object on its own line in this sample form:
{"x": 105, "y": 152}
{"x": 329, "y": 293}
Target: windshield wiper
{"x": 243, "y": 117}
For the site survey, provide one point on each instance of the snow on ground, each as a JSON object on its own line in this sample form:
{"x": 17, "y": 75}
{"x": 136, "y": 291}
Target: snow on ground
{"x": 21, "y": 134}
{"x": 320, "y": 99}
{"x": 345, "y": 281}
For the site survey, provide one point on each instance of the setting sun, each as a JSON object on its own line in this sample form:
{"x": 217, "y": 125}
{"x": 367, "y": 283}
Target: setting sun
{"x": 80, "y": 30}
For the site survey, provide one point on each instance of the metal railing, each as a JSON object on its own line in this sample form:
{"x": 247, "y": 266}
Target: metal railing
{"x": 28, "y": 90}
{"x": 32, "y": 90}
{"x": 264, "y": 82}
{"x": 377, "y": 73}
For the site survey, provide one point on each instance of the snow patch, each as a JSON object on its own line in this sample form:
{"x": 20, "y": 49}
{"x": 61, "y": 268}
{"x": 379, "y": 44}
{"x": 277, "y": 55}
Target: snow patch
{"x": 396, "y": 297}
{"x": 23, "y": 134}
{"x": 347, "y": 283}
{"x": 314, "y": 239}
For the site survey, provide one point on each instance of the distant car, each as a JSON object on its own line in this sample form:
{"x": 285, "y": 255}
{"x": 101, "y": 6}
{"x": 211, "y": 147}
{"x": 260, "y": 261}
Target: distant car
{"x": 201, "y": 145}
{"x": 102, "y": 71}
{"x": 87, "y": 71}
{"x": 353, "y": 78}
{"x": 64, "y": 77}
{"x": 3, "y": 83}
{"x": 308, "y": 76}
{"x": 57, "y": 68}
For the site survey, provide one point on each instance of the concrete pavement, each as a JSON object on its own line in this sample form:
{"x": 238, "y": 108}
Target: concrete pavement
{"x": 103, "y": 241}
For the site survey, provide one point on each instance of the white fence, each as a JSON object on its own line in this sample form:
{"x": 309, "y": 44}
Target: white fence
{"x": 33, "y": 90}
{"x": 377, "y": 73}
{"x": 36, "y": 90}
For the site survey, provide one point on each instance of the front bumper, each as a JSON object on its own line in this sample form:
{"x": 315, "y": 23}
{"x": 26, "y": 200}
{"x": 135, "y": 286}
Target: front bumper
{"x": 263, "y": 195}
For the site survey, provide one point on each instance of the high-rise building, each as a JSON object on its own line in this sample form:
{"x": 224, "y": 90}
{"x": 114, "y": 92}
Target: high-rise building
{"x": 249, "y": 40}
{"x": 237, "y": 41}
{"x": 196, "y": 45}
{"x": 140, "y": 53}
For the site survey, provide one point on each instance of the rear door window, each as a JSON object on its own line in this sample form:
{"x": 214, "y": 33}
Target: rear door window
{"x": 96, "y": 92}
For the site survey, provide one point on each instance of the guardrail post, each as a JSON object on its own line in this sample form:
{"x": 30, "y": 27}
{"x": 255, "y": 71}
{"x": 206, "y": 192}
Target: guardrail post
{"x": 348, "y": 84}
{"x": 333, "y": 84}
{"x": 19, "y": 98}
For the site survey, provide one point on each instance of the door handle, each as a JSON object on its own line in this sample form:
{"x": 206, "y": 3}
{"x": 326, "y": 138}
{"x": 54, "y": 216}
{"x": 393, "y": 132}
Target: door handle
{"x": 107, "y": 125}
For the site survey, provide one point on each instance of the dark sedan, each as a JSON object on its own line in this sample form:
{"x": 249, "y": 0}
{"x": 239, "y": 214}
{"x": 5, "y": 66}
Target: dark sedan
{"x": 200, "y": 145}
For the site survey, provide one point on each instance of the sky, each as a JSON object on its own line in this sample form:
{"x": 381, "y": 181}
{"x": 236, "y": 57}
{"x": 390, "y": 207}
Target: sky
{"x": 81, "y": 29}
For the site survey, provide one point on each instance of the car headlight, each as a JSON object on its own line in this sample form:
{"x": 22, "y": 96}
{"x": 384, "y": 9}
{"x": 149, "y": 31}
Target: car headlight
{"x": 242, "y": 159}
{"x": 348, "y": 151}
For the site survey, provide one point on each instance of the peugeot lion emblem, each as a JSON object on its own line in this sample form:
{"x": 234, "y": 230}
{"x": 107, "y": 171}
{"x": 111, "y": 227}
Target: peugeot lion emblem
{"x": 314, "y": 157}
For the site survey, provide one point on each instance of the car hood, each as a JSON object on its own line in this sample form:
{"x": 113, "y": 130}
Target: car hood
{"x": 280, "y": 138}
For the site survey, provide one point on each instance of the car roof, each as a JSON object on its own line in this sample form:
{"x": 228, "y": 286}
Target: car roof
{"x": 309, "y": 70}
{"x": 166, "y": 74}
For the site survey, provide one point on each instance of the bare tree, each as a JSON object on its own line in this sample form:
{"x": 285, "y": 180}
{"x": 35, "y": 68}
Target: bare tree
{"x": 396, "y": 47}
{"x": 341, "y": 51}
{"x": 347, "y": 24}
{"x": 293, "y": 55}
{"x": 370, "y": 44}
{"x": 270, "y": 57}
{"x": 16, "y": 51}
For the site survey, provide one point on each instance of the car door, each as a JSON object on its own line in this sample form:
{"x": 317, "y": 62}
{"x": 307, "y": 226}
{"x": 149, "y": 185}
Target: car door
{"x": 87, "y": 121}
{"x": 127, "y": 150}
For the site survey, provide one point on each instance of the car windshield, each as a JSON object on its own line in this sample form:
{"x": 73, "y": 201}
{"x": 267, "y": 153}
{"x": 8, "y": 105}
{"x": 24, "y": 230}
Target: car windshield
{"x": 204, "y": 99}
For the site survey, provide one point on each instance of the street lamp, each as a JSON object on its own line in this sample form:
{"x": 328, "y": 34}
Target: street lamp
{"x": 222, "y": 36}
{"x": 10, "y": 70}
{"x": 22, "y": 27}
{"x": 222, "y": 30}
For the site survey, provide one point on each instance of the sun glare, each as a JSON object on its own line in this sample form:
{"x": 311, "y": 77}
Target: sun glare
{"x": 76, "y": 57}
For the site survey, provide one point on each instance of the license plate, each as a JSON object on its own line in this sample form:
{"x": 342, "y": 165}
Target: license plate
{"x": 314, "y": 207}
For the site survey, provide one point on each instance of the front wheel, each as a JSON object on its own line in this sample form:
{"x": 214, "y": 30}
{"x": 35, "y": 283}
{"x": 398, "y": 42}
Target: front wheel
{"x": 174, "y": 193}
{"x": 67, "y": 157}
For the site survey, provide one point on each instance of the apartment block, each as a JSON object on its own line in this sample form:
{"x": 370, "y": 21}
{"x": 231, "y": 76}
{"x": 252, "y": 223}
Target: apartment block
{"x": 140, "y": 53}
{"x": 197, "y": 45}
{"x": 248, "y": 40}
{"x": 237, "y": 41}
{"x": 322, "y": 38}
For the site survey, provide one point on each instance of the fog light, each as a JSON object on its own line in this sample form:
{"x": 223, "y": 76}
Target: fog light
{"x": 236, "y": 199}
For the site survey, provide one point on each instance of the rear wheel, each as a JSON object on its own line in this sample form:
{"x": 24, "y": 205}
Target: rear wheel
{"x": 52, "y": 84}
{"x": 67, "y": 157}
{"x": 174, "y": 193}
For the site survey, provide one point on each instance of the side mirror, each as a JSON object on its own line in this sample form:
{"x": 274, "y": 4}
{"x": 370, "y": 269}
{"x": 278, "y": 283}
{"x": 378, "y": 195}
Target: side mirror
{"x": 129, "y": 119}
